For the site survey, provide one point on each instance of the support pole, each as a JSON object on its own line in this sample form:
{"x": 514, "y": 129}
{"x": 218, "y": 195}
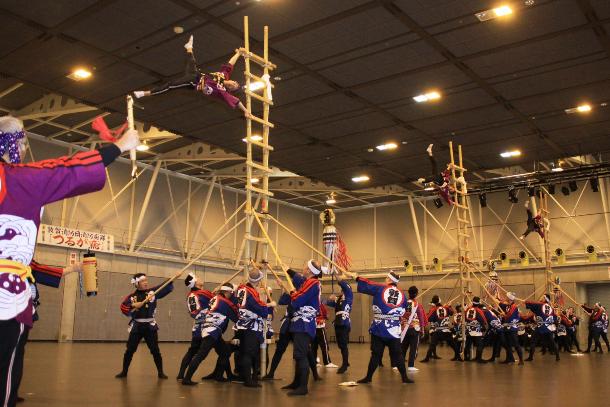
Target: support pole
{"x": 151, "y": 187}
{"x": 132, "y": 126}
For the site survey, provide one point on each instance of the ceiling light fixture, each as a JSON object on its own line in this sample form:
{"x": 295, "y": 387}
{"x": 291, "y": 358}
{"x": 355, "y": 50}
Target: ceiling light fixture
{"x": 255, "y": 137}
{"x": 387, "y": 146}
{"x": 80, "y": 74}
{"x": 494, "y": 13}
{"x": 584, "y": 108}
{"x": 254, "y": 180}
{"x": 429, "y": 189}
{"x": 427, "y": 97}
{"x": 361, "y": 178}
{"x": 508, "y": 154}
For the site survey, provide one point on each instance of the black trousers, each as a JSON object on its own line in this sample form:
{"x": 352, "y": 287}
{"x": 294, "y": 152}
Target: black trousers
{"x": 151, "y": 338}
{"x": 301, "y": 343}
{"x": 11, "y": 334}
{"x": 596, "y": 335}
{"x": 476, "y": 342}
{"x": 411, "y": 344}
{"x": 188, "y": 356}
{"x": 378, "y": 344}
{"x": 511, "y": 340}
{"x": 19, "y": 361}
{"x": 439, "y": 336}
{"x": 573, "y": 340}
{"x": 546, "y": 339}
{"x": 281, "y": 345}
{"x": 342, "y": 335}
{"x": 249, "y": 356}
{"x": 321, "y": 341}
{"x": 494, "y": 339}
{"x": 186, "y": 81}
{"x": 207, "y": 344}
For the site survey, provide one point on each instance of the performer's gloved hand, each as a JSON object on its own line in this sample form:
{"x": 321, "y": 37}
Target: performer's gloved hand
{"x": 235, "y": 342}
{"x": 128, "y": 141}
{"x": 137, "y": 305}
{"x": 332, "y": 297}
{"x": 272, "y": 304}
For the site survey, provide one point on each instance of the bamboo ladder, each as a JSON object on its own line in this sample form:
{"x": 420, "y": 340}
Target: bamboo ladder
{"x": 259, "y": 170}
{"x": 464, "y": 226}
{"x": 548, "y": 265}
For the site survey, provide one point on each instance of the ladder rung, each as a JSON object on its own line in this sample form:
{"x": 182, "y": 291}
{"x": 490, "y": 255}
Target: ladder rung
{"x": 463, "y": 220}
{"x": 259, "y": 97}
{"x": 457, "y": 167}
{"x": 256, "y": 239}
{"x": 261, "y": 121}
{"x": 262, "y": 145}
{"x": 457, "y": 191}
{"x": 259, "y": 167}
{"x": 259, "y": 191}
{"x": 463, "y": 234}
{"x": 257, "y": 78}
{"x": 460, "y": 205}
{"x": 257, "y": 59}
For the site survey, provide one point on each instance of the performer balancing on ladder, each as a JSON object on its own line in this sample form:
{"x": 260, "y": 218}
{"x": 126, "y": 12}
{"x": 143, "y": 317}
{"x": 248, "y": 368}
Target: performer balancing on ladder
{"x": 214, "y": 84}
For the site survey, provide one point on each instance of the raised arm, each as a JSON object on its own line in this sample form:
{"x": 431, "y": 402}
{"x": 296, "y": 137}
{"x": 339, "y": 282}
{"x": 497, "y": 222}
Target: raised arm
{"x": 234, "y": 58}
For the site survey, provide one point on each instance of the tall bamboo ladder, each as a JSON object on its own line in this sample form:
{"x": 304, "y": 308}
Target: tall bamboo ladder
{"x": 548, "y": 265}
{"x": 464, "y": 226}
{"x": 257, "y": 169}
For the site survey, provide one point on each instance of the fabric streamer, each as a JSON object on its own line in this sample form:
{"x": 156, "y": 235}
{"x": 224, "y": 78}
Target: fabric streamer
{"x": 98, "y": 124}
{"x": 8, "y": 142}
{"x": 334, "y": 246}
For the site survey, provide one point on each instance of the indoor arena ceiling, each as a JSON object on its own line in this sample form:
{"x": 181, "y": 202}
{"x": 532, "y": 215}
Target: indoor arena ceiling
{"x": 347, "y": 74}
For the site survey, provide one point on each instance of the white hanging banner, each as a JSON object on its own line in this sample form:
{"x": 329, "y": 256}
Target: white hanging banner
{"x": 75, "y": 239}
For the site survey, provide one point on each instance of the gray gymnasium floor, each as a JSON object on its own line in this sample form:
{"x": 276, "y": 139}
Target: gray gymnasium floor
{"x": 82, "y": 374}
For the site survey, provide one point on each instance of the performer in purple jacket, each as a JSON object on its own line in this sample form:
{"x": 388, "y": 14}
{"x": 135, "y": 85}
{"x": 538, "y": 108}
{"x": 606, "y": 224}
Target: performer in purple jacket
{"x": 24, "y": 190}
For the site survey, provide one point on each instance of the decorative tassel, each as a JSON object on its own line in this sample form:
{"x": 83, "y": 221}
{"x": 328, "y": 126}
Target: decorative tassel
{"x": 341, "y": 256}
{"x": 98, "y": 124}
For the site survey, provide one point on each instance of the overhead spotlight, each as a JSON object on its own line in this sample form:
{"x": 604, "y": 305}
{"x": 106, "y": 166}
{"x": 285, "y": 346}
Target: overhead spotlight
{"x": 438, "y": 202}
{"x": 512, "y": 195}
{"x": 255, "y": 137}
{"x": 483, "y": 200}
{"x": 360, "y": 178}
{"x": 594, "y": 182}
{"x": 254, "y": 180}
{"x": 573, "y": 186}
{"x": 494, "y": 13}
{"x": 330, "y": 199}
{"x": 80, "y": 74}
{"x": 429, "y": 188}
{"x": 427, "y": 97}
{"x": 565, "y": 190}
{"x": 508, "y": 154}
{"x": 551, "y": 189}
{"x": 584, "y": 108}
{"x": 531, "y": 191}
{"x": 387, "y": 146}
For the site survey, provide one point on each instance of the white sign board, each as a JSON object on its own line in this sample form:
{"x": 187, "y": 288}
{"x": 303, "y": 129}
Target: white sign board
{"x": 75, "y": 239}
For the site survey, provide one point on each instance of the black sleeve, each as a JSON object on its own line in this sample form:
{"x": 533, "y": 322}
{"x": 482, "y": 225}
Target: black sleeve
{"x": 109, "y": 153}
{"x": 291, "y": 272}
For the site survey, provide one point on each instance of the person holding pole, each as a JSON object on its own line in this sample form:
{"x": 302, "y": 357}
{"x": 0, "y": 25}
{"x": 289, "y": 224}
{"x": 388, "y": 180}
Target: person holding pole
{"x": 141, "y": 307}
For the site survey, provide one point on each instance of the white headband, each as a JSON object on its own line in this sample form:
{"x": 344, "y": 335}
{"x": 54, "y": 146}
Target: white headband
{"x": 313, "y": 268}
{"x": 511, "y": 296}
{"x": 191, "y": 284}
{"x": 255, "y": 279}
{"x": 136, "y": 280}
{"x": 227, "y": 288}
{"x": 394, "y": 279}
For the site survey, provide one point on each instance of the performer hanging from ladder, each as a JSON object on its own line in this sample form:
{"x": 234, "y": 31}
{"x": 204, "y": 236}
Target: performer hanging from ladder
{"x": 214, "y": 84}
{"x": 535, "y": 223}
{"x": 440, "y": 180}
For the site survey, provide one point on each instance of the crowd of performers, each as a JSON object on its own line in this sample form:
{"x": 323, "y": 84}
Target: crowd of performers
{"x": 399, "y": 322}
